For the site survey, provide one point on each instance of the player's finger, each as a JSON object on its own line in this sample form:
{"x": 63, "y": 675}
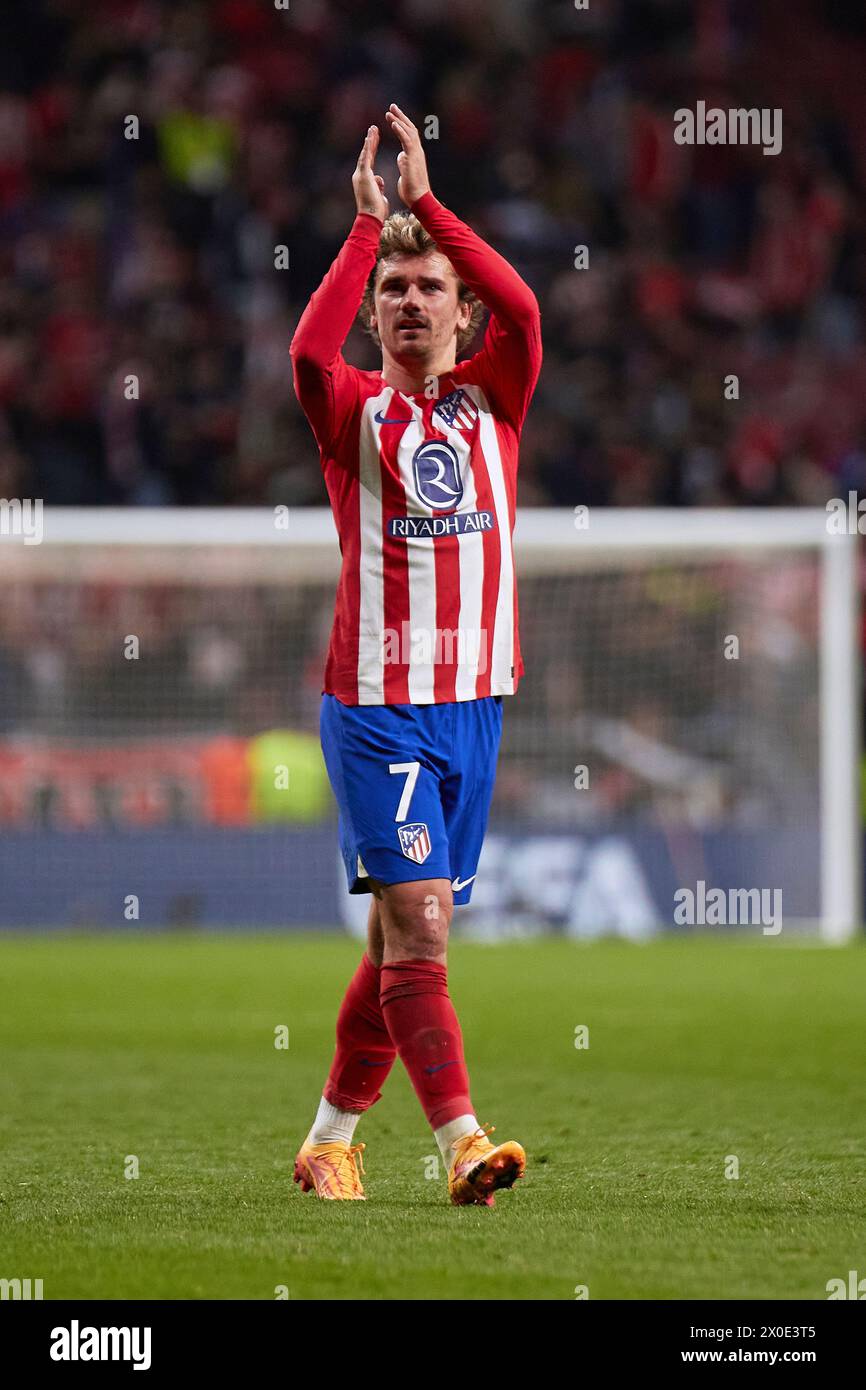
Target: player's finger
{"x": 364, "y": 156}
{"x": 400, "y": 114}
{"x": 410, "y": 137}
{"x": 403, "y": 135}
{"x": 412, "y": 132}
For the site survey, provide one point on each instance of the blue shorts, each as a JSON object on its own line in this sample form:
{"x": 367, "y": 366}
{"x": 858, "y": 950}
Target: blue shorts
{"x": 413, "y": 784}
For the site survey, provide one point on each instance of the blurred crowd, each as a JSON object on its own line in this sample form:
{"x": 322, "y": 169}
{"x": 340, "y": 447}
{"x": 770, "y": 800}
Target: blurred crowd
{"x": 155, "y": 153}
{"x": 625, "y": 675}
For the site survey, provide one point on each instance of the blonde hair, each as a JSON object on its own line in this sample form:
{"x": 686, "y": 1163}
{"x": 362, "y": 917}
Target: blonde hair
{"x": 402, "y": 234}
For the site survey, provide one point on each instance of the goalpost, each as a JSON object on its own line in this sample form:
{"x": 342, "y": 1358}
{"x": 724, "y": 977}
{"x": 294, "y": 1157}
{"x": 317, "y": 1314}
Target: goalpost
{"x": 639, "y": 535}
{"x": 692, "y": 683}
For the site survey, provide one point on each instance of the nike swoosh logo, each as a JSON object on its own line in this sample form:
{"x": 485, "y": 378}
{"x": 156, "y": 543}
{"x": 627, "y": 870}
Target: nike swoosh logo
{"x": 365, "y": 1063}
{"x": 430, "y": 1070}
{"x": 457, "y": 885}
{"x": 388, "y": 420}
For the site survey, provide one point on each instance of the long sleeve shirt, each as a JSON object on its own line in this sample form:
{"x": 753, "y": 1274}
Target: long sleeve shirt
{"x": 423, "y": 489}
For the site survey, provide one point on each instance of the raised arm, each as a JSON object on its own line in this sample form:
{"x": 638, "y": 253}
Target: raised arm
{"x": 510, "y": 359}
{"x": 495, "y": 282}
{"x": 324, "y": 383}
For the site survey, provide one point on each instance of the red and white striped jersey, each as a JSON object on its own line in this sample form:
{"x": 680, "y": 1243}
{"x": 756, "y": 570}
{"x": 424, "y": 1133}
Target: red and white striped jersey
{"x": 423, "y": 490}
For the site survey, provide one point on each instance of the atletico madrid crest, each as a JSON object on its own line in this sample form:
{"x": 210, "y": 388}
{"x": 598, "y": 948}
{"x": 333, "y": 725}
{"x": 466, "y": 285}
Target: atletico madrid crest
{"x": 415, "y": 841}
{"x": 458, "y": 410}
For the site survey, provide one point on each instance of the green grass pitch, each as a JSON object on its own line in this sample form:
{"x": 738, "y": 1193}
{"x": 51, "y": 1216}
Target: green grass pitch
{"x": 163, "y": 1048}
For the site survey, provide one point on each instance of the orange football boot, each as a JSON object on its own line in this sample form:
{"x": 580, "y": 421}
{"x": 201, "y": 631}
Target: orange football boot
{"x": 332, "y": 1171}
{"x": 480, "y": 1167}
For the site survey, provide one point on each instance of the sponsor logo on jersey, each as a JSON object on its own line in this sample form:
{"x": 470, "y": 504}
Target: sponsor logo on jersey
{"x": 414, "y": 841}
{"x": 459, "y": 524}
{"x": 437, "y": 474}
{"x": 457, "y": 410}
{"x": 391, "y": 419}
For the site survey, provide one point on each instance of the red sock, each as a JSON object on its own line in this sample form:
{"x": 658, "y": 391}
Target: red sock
{"x": 365, "y": 1053}
{"x": 424, "y": 1026}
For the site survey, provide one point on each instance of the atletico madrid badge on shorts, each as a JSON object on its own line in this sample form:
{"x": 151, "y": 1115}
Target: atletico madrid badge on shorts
{"x": 415, "y": 841}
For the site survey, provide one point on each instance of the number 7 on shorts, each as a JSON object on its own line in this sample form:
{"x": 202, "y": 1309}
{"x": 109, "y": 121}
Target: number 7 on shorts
{"x": 412, "y": 769}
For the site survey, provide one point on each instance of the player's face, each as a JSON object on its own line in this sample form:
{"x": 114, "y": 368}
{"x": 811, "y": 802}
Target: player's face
{"x": 416, "y": 309}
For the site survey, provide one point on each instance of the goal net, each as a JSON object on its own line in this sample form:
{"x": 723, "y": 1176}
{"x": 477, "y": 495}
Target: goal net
{"x": 682, "y": 753}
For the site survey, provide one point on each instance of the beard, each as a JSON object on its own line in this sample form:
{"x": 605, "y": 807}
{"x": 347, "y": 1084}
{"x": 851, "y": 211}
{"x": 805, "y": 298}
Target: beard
{"x": 418, "y": 344}
{"x": 413, "y": 348}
